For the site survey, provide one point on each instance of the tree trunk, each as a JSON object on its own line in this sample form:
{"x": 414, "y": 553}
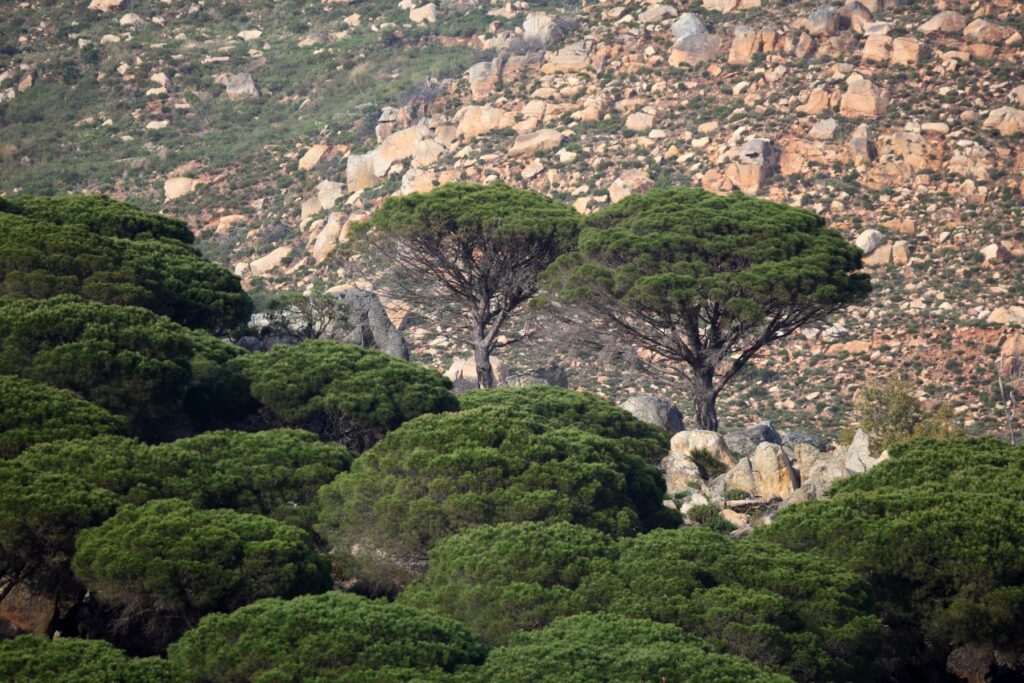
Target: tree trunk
{"x": 704, "y": 399}
{"x": 484, "y": 373}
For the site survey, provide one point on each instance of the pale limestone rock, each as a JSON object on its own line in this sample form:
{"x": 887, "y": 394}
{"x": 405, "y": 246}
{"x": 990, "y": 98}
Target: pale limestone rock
{"x": 869, "y": 240}
{"x": 538, "y": 141}
{"x": 983, "y": 31}
{"x": 877, "y": 48}
{"x": 359, "y": 173}
{"x": 462, "y": 373}
{"x": 695, "y": 49}
{"x": 427, "y": 14}
{"x": 271, "y": 261}
{"x": 1006, "y": 120}
{"x": 541, "y": 29}
{"x": 824, "y": 129}
{"x": 688, "y": 441}
{"x": 629, "y": 182}
{"x": 238, "y": 86}
{"x": 106, "y": 5}
{"x": 639, "y": 121}
{"x": 483, "y": 77}
{"x": 944, "y": 22}
{"x": 477, "y": 120}
{"x": 863, "y": 99}
{"x": 312, "y": 157}
{"x": 1006, "y": 315}
{"x": 532, "y": 169}
{"x": 688, "y": 24}
{"x": 175, "y": 188}
{"x": 905, "y": 51}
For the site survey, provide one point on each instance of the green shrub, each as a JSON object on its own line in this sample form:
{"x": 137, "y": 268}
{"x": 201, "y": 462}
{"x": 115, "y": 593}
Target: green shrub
{"x": 30, "y": 659}
{"x": 343, "y": 392}
{"x": 165, "y": 563}
{"x": 324, "y": 638}
{"x": 937, "y": 529}
{"x": 33, "y": 413}
{"x": 589, "y": 412}
{"x": 125, "y": 359}
{"x": 510, "y": 577}
{"x": 274, "y": 473}
{"x": 708, "y": 466}
{"x": 438, "y": 474}
{"x": 593, "y": 648}
{"x": 40, "y": 514}
{"x": 791, "y": 612}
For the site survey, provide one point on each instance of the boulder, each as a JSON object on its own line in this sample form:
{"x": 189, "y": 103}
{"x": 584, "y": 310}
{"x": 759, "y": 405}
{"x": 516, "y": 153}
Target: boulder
{"x": 271, "y": 261}
{"x": 238, "y": 86}
{"x": 799, "y": 436}
{"x": 640, "y": 121}
{"x": 483, "y": 77}
{"x": 541, "y": 30}
{"x": 1006, "y": 121}
{"x": 655, "y": 410}
{"x": 537, "y": 141}
{"x": 688, "y": 441}
{"x": 857, "y": 457}
{"x": 462, "y": 373}
{"x": 312, "y": 157}
{"x": 905, "y": 51}
{"x": 477, "y": 120}
{"x": 688, "y": 24}
{"x": 179, "y": 187}
{"x": 757, "y": 161}
{"x": 824, "y": 21}
{"x": 24, "y": 611}
{"x": 359, "y": 173}
{"x": 630, "y": 181}
{"x": 427, "y": 14}
{"x": 983, "y": 31}
{"x": 106, "y": 5}
{"x": 746, "y": 42}
{"x": 745, "y": 442}
{"x": 553, "y": 375}
{"x": 695, "y": 49}
{"x": 944, "y": 22}
{"x": 877, "y": 48}
{"x": 869, "y": 240}
{"x": 863, "y": 99}
{"x": 371, "y": 327}
{"x": 766, "y": 473}
{"x": 824, "y": 129}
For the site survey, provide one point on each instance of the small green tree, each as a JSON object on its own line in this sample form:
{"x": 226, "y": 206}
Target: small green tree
{"x": 33, "y": 413}
{"x": 890, "y": 413}
{"x": 313, "y": 314}
{"x": 40, "y": 514}
{"x": 341, "y": 391}
{"x": 275, "y": 473}
{"x": 30, "y": 659}
{"x": 473, "y": 251}
{"x": 438, "y": 474}
{"x": 706, "y": 281}
{"x": 597, "y": 648}
{"x": 320, "y": 638}
{"x": 504, "y": 578}
{"x": 165, "y": 564}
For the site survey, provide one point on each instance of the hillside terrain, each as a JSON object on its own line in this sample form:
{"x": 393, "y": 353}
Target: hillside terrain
{"x": 271, "y": 125}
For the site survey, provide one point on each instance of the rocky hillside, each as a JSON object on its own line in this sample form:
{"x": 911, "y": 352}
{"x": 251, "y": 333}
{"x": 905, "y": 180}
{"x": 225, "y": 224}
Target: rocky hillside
{"x": 272, "y": 125}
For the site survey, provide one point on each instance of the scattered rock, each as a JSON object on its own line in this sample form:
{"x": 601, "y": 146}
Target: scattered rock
{"x": 1006, "y": 121}
{"x": 238, "y": 86}
{"x": 629, "y": 182}
{"x": 538, "y": 141}
{"x": 863, "y": 99}
{"x": 175, "y": 188}
{"x": 106, "y": 5}
{"x": 944, "y": 22}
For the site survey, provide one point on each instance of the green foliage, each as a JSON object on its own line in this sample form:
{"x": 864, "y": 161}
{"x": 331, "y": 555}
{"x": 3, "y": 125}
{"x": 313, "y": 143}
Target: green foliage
{"x": 307, "y": 315}
{"x": 31, "y": 659}
{"x": 510, "y": 577}
{"x": 890, "y": 413}
{"x": 39, "y": 260}
{"x": 168, "y": 560}
{"x": 589, "y": 412}
{"x": 33, "y": 413}
{"x": 125, "y": 359}
{"x": 343, "y": 392}
{"x": 322, "y": 639}
{"x": 938, "y": 530}
{"x": 441, "y": 473}
{"x": 40, "y": 514}
{"x": 274, "y": 473}
{"x": 791, "y": 612}
{"x": 594, "y": 648}
{"x": 707, "y": 516}
{"x": 708, "y": 465}
{"x": 100, "y": 215}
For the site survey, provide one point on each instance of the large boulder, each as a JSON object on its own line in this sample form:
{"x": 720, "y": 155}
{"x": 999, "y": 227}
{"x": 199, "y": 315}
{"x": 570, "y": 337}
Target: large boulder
{"x": 175, "y": 188}
{"x": 688, "y": 24}
{"x": 541, "y": 30}
{"x": 863, "y": 99}
{"x": 537, "y": 141}
{"x": 680, "y": 470}
{"x": 766, "y": 473}
{"x": 656, "y": 411}
{"x": 1006, "y": 121}
{"x": 553, "y": 375}
{"x": 983, "y": 31}
{"x": 746, "y": 441}
{"x": 25, "y": 611}
{"x": 477, "y": 120}
{"x": 238, "y": 86}
{"x": 695, "y": 49}
{"x": 824, "y": 21}
{"x": 371, "y": 327}
{"x": 799, "y": 436}
{"x": 944, "y": 22}
{"x": 106, "y": 5}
